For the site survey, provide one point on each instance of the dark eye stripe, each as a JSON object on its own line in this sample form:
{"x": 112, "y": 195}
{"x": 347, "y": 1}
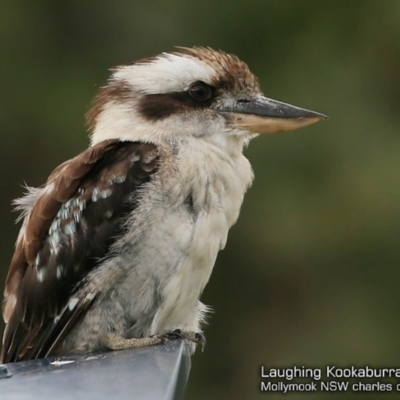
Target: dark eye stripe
{"x": 160, "y": 106}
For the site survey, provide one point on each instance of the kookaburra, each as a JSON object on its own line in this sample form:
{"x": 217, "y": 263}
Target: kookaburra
{"x": 116, "y": 248}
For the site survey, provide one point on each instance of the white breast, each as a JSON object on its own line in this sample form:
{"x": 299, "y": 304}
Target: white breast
{"x": 217, "y": 183}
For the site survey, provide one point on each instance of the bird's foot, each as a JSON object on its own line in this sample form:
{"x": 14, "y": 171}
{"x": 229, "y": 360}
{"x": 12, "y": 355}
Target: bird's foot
{"x": 116, "y": 342}
{"x": 195, "y": 337}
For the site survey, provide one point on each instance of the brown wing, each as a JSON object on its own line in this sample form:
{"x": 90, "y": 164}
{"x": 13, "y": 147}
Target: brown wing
{"x": 71, "y": 226}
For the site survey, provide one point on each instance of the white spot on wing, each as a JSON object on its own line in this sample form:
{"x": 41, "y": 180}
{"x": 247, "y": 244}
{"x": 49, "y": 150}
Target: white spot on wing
{"x": 72, "y": 303}
{"x": 136, "y": 157}
{"x": 55, "y": 226}
{"x": 77, "y": 216}
{"x": 120, "y": 178}
{"x": 54, "y": 240}
{"x": 59, "y": 271}
{"x": 101, "y": 194}
{"x": 41, "y": 274}
{"x": 70, "y": 228}
{"x": 105, "y": 193}
{"x": 95, "y": 194}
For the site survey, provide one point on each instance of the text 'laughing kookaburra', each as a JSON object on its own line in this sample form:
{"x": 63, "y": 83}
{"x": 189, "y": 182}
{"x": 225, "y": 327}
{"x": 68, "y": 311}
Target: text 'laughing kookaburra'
{"x": 117, "y": 247}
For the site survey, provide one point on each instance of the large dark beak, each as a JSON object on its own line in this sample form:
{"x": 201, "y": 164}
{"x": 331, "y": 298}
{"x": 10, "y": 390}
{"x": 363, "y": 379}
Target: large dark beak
{"x": 264, "y": 115}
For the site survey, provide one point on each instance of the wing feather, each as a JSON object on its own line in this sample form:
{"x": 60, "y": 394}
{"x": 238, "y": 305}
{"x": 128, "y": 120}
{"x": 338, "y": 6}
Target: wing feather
{"x": 74, "y": 220}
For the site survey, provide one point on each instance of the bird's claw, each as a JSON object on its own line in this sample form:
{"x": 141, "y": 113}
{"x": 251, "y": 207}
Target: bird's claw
{"x": 195, "y": 337}
{"x": 170, "y": 335}
{"x": 201, "y": 340}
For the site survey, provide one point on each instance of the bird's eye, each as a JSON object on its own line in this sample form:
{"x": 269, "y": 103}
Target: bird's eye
{"x": 200, "y": 91}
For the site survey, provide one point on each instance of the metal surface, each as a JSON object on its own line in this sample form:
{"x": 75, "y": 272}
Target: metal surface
{"x": 157, "y": 372}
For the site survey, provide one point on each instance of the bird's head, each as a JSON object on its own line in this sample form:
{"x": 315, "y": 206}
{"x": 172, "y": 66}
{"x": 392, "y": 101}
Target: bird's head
{"x": 196, "y": 92}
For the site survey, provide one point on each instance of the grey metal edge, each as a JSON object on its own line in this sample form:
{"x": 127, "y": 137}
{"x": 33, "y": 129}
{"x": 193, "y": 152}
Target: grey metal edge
{"x": 150, "y": 373}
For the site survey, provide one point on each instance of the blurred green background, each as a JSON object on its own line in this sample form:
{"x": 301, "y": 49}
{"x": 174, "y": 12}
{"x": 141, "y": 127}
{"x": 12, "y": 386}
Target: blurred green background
{"x": 310, "y": 275}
